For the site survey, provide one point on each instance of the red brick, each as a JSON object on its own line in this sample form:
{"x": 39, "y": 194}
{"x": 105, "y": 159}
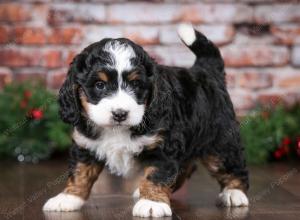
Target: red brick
{"x": 14, "y": 12}
{"x": 85, "y": 13}
{"x": 30, "y": 75}
{"x": 255, "y": 80}
{"x": 29, "y": 35}
{"x": 166, "y": 13}
{"x": 56, "y": 79}
{"x": 270, "y": 99}
{"x": 296, "y": 56}
{"x": 250, "y": 55}
{"x": 19, "y": 57}
{"x": 215, "y": 13}
{"x": 287, "y": 78}
{"x": 70, "y": 57}
{"x": 277, "y": 13}
{"x": 4, "y": 35}
{"x": 242, "y": 100}
{"x": 246, "y": 39}
{"x": 66, "y": 35}
{"x": 281, "y": 97}
{"x": 289, "y": 82}
{"x": 5, "y": 76}
{"x": 98, "y": 32}
{"x": 52, "y": 59}
{"x": 142, "y": 35}
{"x": 230, "y": 79}
{"x": 292, "y": 97}
{"x": 286, "y": 34}
{"x": 141, "y": 13}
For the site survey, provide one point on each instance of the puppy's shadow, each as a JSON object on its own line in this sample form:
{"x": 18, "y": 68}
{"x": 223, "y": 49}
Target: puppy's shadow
{"x": 65, "y": 216}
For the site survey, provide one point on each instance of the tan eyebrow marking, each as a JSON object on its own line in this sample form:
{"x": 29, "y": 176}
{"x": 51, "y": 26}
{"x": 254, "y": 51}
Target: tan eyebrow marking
{"x": 103, "y": 76}
{"x": 133, "y": 76}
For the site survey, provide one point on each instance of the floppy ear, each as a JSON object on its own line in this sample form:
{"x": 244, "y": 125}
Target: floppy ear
{"x": 68, "y": 99}
{"x": 149, "y": 64}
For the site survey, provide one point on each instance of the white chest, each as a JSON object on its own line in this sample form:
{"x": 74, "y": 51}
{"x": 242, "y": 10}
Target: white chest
{"x": 116, "y": 147}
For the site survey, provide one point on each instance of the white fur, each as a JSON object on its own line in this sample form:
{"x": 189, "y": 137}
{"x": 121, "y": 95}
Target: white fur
{"x": 136, "y": 193}
{"x": 187, "y": 33}
{"x": 116, "y": 146}
{"x": 148, "y": 208}
{"x": 64, "y": 202}
{"x": 101, "y": 113}
{"x": 122, "y": 53}
{"x": 232, "y": 197}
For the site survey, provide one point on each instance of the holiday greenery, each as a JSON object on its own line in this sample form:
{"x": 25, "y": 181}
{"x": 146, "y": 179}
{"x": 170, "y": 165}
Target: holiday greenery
{"x": 30, "y": 129}
{"x": 272, "y": 134}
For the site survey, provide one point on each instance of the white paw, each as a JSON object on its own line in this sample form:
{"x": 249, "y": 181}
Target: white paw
{"x": 148, "y": 208}
{"x": 136, "y": 193}
{"x": 64, "y": 202}
{"x": 232, "y": 197}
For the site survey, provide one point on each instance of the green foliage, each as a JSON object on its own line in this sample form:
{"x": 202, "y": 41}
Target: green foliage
{"x": 30, "y": 128}
{"x": 263, "y": 132}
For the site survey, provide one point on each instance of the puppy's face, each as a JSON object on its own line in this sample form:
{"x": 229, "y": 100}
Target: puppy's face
{"x": 115, "y": 85}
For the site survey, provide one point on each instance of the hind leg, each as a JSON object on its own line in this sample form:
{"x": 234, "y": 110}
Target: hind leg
{"x": 230, "y": 171}
{"x": 184, "y": 174}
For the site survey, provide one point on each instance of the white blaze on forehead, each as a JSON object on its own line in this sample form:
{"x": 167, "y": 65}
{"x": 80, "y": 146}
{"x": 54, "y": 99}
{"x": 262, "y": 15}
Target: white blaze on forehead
{"x": 122, "y": 55}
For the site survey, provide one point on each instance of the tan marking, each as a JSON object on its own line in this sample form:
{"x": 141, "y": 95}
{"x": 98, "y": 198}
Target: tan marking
{"x": 158, "y": 140}
{"x": 151, "y": 191}
{"x": 133, "y": 76}
{"x": 184, "y": 174}
{"x": 212, "y": 163}
{"x": 80, "y": 184}
{"x": 216, "y": 169}
{"x": 232, "y": 182}
{"x": 83, "y": 99}
{"x": 103, "y": 76}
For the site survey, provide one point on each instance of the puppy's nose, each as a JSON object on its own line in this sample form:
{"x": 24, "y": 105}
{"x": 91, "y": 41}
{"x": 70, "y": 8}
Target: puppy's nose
{"x": 119, "y": 115}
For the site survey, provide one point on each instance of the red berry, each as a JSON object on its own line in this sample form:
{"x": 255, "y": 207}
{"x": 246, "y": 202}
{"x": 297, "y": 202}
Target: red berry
{"x": 23, "y": 104}
{"x": 286, "y": 149}
{"x": 265, "y": 114}
{"x": 36, "y": 114}
{"x": 27, "y": 94}
{"x": 286, "y": 141}
{"x": 277, "y": 154}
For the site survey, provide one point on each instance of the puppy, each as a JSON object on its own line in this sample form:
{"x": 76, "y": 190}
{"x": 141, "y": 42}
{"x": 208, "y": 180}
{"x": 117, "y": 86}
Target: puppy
{"x": 128, "y": 112}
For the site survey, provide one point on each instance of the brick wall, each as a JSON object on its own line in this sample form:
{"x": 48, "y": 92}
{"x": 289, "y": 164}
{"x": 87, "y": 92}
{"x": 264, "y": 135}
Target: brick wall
{"x": 259, "y": 39}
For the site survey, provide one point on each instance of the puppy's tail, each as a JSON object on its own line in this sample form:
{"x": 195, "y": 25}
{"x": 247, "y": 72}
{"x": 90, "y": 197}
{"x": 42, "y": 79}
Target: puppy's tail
{"x": 207, "y": 54}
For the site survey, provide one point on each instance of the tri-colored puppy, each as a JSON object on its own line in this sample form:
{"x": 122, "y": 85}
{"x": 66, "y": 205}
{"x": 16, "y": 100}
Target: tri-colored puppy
{"x": 130, "y": 112}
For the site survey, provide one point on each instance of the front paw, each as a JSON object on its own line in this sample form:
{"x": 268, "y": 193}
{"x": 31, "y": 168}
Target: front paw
{"x": 232, "y": 197}
{"x": 148, "y": 208}
{"x": 64, "y": 202}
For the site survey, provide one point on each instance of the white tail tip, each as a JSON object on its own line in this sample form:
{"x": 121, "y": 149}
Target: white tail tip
{"x": 187, "y": 34}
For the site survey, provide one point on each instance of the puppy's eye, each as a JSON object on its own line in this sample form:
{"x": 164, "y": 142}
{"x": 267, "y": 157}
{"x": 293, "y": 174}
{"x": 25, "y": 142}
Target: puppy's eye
{"x": 136, "y": 83}
{"x": 100, "y": 85}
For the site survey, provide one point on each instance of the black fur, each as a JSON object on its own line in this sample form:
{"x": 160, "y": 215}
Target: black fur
{"x": 189, "y": 108}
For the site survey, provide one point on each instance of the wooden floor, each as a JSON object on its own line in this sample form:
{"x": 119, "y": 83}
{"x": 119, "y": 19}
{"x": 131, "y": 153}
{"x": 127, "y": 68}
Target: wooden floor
{"x": 274, "y": 194}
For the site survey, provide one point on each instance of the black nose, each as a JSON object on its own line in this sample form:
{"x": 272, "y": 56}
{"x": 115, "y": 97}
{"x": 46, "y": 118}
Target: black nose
{"x": 119, "y": 115}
